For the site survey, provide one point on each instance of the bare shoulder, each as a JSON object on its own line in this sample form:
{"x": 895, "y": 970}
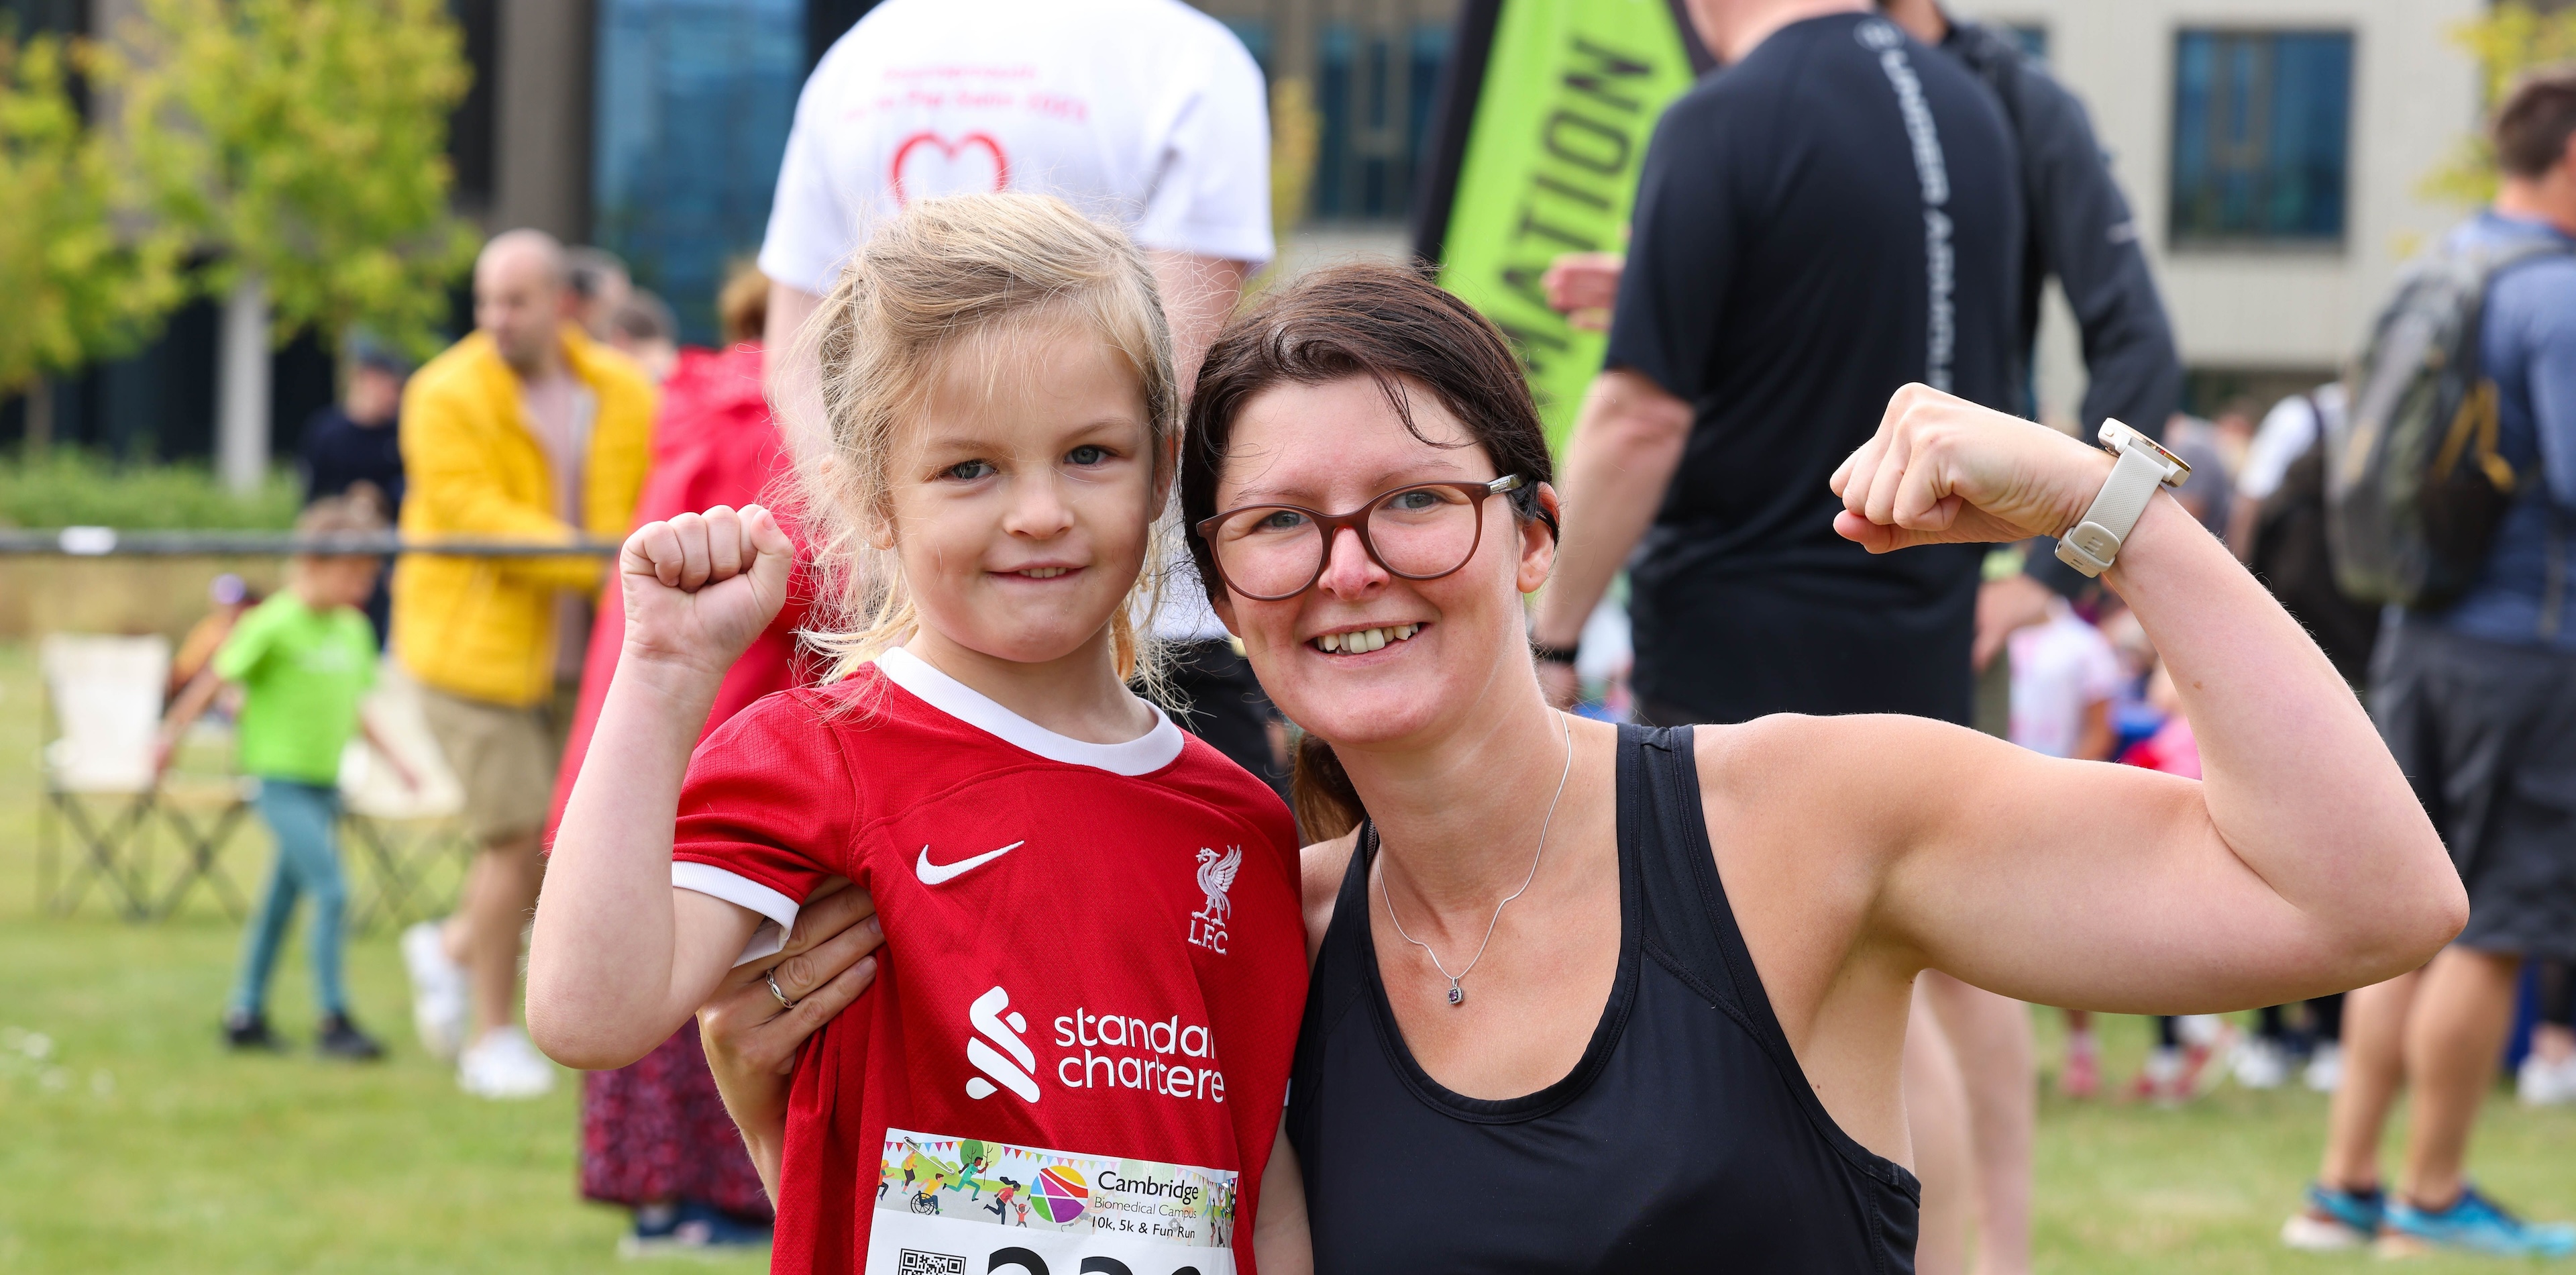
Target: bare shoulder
{"x": 1324, "y": 864}
{"x": 1856, "y": 747}
{"x": 1838, "y": 779}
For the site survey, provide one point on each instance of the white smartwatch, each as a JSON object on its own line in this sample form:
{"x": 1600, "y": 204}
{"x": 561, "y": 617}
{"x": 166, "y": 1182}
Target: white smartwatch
{"x": 2144, "y": 466}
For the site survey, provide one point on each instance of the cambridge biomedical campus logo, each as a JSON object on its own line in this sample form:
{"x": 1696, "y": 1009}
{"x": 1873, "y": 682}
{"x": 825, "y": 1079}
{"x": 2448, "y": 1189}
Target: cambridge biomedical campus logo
{"x": 1216, "y": 876}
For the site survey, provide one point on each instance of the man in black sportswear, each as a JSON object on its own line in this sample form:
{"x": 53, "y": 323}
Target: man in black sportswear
{"x": 1833, "y": 215}
{"x": 2082, "y": 233}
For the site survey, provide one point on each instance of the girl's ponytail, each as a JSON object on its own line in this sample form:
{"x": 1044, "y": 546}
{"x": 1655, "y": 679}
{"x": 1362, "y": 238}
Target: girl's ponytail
{"x": 1320, "y": 793}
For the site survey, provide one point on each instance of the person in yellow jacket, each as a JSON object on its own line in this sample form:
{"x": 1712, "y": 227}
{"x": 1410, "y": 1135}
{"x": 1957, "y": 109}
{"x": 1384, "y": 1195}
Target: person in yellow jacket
{"x": 524, "y": 431}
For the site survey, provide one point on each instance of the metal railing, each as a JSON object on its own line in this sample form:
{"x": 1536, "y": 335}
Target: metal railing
{"x": 108, "y": 542}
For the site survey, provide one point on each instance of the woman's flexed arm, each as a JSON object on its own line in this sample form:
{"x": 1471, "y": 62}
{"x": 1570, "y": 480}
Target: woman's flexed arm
{"x": 619, "y": 959}
{"x": 2301, "y": 864}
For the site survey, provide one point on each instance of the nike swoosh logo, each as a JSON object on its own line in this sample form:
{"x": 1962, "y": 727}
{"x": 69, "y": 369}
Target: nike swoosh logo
{"x": 942, "y": 873}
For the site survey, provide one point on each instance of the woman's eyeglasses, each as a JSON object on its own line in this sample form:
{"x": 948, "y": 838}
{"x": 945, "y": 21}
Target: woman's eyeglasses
{"x": 1420, "y": 532}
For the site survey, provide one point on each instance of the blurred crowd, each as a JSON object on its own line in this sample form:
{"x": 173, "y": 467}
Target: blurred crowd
{"x": 573, "y": 412}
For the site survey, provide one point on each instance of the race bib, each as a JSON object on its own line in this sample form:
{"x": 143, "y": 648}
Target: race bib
{"x": 959, "y": 1206}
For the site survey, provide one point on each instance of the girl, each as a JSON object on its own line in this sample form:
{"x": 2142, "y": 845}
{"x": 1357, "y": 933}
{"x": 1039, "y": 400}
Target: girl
{"x": 1099, "y": 975}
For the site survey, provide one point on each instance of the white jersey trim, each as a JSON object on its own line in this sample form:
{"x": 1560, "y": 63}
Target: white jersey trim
{"x": 778, "y": 912}
{"x": 1142, "y": 755}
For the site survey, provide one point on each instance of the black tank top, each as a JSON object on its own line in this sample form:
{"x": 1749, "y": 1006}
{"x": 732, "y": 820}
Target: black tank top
{"x": 1686, "y": 1139}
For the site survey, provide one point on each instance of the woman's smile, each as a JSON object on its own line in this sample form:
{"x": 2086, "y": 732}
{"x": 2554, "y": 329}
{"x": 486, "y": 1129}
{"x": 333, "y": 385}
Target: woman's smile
{"x": 1357, "y": 640}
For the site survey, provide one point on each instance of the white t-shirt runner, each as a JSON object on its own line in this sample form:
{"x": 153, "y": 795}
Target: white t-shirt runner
{"x": 1143, "y": 113}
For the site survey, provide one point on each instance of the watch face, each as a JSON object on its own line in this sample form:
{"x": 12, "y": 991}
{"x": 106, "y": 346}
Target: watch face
{"x": 2121, "y": 438}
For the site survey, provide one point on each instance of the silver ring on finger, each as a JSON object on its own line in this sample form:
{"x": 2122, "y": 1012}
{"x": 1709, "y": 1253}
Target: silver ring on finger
{"x": 770, "y": 976}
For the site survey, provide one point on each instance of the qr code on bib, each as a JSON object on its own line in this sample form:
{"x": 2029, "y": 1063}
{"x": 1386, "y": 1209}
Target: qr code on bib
{"x": 913, "y": 1261}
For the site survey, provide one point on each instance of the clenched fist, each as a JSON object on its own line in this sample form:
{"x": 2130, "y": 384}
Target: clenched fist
{"x": 1942, "y": 470}
{"x": 700, "y": 587}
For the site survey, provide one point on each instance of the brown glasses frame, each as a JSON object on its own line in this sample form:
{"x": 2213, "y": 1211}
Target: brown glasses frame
{"x": 1357, "y": 522}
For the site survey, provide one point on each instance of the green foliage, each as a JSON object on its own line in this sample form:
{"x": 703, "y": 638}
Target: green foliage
{"x": 65, "y": 487}
{"x": 304, "y": 142}
{"x": 2510, "y": 40}
{"x": 78, "y": 287}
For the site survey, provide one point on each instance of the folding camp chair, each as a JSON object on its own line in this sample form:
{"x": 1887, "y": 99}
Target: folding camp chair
{"x": 103, "y": 699}
{"x": 202, "y": 817}
{"x": 410, "y": 840}
{"x": 103, "y": 695}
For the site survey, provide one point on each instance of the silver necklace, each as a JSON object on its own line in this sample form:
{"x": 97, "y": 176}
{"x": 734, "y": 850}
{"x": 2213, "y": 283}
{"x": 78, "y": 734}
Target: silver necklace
{"x": 1457, "y": 994}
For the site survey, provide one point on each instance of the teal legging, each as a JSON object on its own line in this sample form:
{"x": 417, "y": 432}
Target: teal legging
{"x": 305, "y": 819}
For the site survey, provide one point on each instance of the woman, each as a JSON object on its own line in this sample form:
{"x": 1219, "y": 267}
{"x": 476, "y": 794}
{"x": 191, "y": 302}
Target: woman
{"x": 1585, "y": 991}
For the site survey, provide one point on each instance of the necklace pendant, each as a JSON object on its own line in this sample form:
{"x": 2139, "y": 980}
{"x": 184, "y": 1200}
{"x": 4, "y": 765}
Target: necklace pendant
{"x": 1457, "y": 994}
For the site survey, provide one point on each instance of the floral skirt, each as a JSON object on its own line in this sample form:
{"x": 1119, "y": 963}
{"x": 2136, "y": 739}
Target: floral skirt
{"x": 657, "y": 1130}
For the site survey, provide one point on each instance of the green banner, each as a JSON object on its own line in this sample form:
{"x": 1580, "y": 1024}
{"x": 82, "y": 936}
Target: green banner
{"x": 1556, "y": 131}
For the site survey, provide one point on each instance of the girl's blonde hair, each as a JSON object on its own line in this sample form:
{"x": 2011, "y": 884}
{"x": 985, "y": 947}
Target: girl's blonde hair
{"x": 929, "y": 280}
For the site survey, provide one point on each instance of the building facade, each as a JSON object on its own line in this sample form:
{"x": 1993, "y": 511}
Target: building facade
{"x": 2276, "y": 153}
{"x": 653, "y": 128}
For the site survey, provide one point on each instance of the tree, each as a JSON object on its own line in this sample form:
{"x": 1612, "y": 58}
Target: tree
{"x": 85, "y": 278}
{"x": 302, "y": 145}
{"x": 2510, "y": 40}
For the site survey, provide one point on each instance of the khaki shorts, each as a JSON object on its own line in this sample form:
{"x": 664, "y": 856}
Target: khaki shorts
{"x": 503, "y": 757}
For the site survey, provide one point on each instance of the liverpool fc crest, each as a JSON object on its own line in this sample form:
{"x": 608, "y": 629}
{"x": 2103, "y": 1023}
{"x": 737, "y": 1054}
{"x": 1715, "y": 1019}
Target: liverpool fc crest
{"x": 1216, "y": 876}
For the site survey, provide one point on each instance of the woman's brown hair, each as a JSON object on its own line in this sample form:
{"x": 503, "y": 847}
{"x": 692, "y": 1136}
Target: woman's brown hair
{"x": 1402, "y": 331}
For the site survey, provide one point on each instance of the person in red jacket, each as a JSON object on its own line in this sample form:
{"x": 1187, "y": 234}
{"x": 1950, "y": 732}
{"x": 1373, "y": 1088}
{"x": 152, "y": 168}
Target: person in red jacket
{"x": 654, "y": 1135}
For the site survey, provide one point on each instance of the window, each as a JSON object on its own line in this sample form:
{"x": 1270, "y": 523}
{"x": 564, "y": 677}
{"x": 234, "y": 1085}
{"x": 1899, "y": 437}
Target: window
{"x": 469, "y": 126}
{"x": 1255, "y": 34}
{"x": 1374, "y": 89}
{"x": 37, "y": 16}
{"x": 694, "y": 98}
{"x": 2261, "y": 120}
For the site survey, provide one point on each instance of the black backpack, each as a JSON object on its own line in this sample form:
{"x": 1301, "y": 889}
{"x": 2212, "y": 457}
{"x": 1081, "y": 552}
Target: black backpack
{"x": 2289, "y": 555}
{"x": 2414, "y": 485}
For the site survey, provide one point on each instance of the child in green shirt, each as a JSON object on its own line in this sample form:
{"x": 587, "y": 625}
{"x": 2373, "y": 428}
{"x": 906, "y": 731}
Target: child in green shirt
{"x": 303, "y": 659}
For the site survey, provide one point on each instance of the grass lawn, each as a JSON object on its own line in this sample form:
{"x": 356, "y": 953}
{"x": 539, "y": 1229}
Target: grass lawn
{"x": 130, "y": 1142}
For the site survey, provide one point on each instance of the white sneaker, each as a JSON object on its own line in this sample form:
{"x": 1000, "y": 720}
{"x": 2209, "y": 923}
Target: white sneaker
{"x": 504, "y": 1065}
{"x": 2325, "y": 1067}
{"x": 2542, "y": 1083}
{"x": 437, "y": 991}
{"x": 2260, "y": 1064}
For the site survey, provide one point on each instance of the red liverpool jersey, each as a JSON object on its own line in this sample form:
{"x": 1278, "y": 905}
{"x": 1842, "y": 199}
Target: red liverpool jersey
{"x": 1077, "y": 1045}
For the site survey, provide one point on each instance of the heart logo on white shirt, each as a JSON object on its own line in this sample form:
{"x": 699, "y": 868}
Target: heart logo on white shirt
{"x": 926, "y": 164}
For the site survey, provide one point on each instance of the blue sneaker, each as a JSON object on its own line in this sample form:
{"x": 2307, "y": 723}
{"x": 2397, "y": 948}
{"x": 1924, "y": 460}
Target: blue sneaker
{"x": 2474, "y": 1224}
{"x": 2335, "y": 1219}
